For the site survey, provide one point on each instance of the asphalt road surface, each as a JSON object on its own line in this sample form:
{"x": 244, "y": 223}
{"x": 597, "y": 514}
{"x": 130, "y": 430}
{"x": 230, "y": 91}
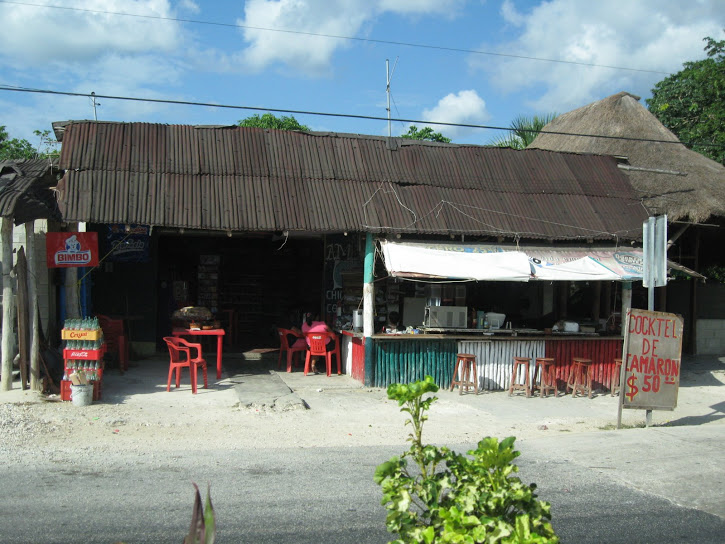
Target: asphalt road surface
{"x": 315, "y": 495}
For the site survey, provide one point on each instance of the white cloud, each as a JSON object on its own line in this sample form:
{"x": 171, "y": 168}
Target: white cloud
{"x": 189, "y": 6}
{"x": 303, "y": 53}
{"x": 311, "y": 55}
{"x": 83, "y": 51}
{"x": 418, "y": 7}
{"x": 652, "y": 35}
{"x": 34, "y": 36}
{"x": 465, "y": 107}
{"x": 510, "y": 15}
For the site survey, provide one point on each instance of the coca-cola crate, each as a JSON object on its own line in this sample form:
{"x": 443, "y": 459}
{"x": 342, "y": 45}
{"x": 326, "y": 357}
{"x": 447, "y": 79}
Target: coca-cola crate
{"x": 83, "y": 354}
{"x": 80, "y": 334}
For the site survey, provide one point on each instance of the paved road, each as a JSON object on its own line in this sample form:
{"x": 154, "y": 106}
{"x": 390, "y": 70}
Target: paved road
{"x": 320, "y": 495}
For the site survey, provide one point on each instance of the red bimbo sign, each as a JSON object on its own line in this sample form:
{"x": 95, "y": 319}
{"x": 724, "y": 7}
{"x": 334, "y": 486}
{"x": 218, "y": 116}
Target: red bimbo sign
{"x": 652, "y": 351}
{"x": 69, "y": 249}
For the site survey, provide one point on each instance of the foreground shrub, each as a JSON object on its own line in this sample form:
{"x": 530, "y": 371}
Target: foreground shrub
{"x": 457, "y": 498}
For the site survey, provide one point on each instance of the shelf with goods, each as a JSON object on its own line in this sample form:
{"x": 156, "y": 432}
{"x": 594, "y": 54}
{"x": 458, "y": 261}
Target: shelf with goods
{"x": 83, "y": 360}
{"x": 351, "y": 296}
{"x": 245, "y": 294}
{"x": 207, "y": 276}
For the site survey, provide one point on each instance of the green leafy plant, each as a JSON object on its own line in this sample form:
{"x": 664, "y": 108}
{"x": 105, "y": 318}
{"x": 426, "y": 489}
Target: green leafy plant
{"x": 469, "y": 499}
{"x": 426, "y": 133}
{"x": 715, "y": 273}
{"x": 203, "y": 524}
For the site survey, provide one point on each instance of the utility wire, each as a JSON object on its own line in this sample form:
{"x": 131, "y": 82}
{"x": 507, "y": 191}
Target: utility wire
{"x": 333, "y": 36}
{"x": 343, "y": 115}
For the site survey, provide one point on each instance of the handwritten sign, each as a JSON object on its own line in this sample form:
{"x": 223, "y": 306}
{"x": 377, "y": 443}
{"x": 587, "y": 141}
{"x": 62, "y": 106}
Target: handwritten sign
{"x": 652, "y": 351}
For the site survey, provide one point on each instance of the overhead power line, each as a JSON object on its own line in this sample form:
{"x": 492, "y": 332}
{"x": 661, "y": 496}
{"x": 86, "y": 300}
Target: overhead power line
{"x": 330, "y": 114}
{"x": 332, "y": 36}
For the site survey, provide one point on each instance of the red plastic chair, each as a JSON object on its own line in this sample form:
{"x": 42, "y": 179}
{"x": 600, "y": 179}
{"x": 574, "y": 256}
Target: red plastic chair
{"x": 290, "y": 350}
{"x": 317, "y": 342}
{"x": 180, "y": 353}
{"x": 318, "y": 347}
{"x": 334, "y": 351}
{"x": 114, "y": 335}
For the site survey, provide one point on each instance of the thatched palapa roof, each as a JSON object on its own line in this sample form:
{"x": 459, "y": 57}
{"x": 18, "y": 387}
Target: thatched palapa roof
{"x": 670, "y": 178}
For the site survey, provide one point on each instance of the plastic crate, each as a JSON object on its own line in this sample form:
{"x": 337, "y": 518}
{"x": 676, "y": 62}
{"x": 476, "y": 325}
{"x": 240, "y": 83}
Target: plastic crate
{"x": 74, "y": 334}
{"x": 84, "y": 354}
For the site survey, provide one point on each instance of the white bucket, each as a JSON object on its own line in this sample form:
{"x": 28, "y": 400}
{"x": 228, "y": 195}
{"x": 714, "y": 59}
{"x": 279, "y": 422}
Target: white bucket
{"x": 81, "y": 395}
{"x": 357, "y": 320}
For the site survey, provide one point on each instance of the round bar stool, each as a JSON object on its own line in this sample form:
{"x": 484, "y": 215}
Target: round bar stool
{"x": 466, "y": 364}
{"x": 580, "y": 377}
{"x": 526, "y": 384}
{"x": 545, "y": 376}
{"x": 615, "y": 377}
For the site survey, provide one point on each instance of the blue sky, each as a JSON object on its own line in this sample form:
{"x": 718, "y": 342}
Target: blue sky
{"x": 242, "y": 61}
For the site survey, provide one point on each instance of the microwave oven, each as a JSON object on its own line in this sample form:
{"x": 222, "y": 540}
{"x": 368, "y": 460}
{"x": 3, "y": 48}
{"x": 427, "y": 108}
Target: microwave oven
{"x": 446, "y": 317}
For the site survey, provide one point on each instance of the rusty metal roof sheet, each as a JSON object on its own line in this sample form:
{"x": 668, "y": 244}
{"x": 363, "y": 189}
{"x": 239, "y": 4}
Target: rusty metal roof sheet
{"x": 249, "y": 179}
{"x": 25, "y": 190}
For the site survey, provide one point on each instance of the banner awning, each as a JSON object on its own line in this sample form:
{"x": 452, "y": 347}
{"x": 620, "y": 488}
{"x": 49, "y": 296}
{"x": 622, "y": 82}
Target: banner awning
{"x": 424, "y": 260}
{"x": 489, "y": 262}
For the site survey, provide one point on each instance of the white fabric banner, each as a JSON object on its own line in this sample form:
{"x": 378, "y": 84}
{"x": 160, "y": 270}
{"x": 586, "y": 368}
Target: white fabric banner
{"x": 490, "y": 262}
{"x": 584, "y": 269}
{"x": 418, "y": 259}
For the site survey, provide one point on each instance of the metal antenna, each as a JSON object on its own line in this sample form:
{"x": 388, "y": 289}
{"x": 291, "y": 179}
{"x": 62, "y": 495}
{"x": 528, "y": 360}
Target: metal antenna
{"x": 387, "y": 90}
{"x": 95, "y": 104}
{"x": 388, "y": 78}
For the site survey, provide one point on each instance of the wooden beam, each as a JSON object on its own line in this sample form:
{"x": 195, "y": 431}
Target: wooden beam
{"x": 36, "y": 384}
{"x": 21, "y": 272}
{"x": 6, "y": 237}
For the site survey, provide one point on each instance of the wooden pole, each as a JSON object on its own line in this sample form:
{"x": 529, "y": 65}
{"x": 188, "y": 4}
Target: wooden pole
{"x": 21, "y": 270}
{"x": 6, "y": 236}
{"x": 36, "y": 384}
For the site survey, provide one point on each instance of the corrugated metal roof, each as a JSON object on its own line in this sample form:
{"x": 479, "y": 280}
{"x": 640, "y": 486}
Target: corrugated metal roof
{"x": 25, "y": 190}
{"x": 249, "y": 179}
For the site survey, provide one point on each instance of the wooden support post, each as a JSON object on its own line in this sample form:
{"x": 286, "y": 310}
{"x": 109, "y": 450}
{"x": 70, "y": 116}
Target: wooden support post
{"x": 36, "y": 384}
{"x": 21, "y": 269}
{"x": 6, "y": 235}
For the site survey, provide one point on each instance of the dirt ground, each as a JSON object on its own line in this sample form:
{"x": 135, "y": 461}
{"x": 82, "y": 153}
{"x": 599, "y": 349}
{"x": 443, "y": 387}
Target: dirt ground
{"x": 137, "y": 414}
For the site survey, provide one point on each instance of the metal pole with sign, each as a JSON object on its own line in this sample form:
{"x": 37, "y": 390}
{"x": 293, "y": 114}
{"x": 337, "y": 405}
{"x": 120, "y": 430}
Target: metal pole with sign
{"x": 651, "y": 356}
{"x": 654, "y": 238}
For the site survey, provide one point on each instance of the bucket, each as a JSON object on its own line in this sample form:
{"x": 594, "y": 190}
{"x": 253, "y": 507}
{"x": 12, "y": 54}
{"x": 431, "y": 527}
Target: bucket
{"x": 81, "y": 395}
{"x": 357, "y": 320}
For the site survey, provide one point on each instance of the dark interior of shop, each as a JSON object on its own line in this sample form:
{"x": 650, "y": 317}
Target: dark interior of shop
{"x": 251, "y": 284}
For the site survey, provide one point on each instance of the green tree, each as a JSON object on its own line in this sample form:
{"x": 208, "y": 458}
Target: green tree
{"x": 268, "y": 120}
{"x": 48, "y": 145}
{"x": 691, "y": 103}
{"x": 14, "y": 148}
{"x": 426, "y": 133}
{"x": 523, "y": 130}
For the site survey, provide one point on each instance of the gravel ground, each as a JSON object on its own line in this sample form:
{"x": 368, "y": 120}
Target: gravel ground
{"x": 137, "y": 415}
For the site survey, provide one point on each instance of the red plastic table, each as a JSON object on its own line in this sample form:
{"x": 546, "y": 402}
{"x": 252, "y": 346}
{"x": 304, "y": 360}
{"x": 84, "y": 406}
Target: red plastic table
{"x": 219, "y": 333}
